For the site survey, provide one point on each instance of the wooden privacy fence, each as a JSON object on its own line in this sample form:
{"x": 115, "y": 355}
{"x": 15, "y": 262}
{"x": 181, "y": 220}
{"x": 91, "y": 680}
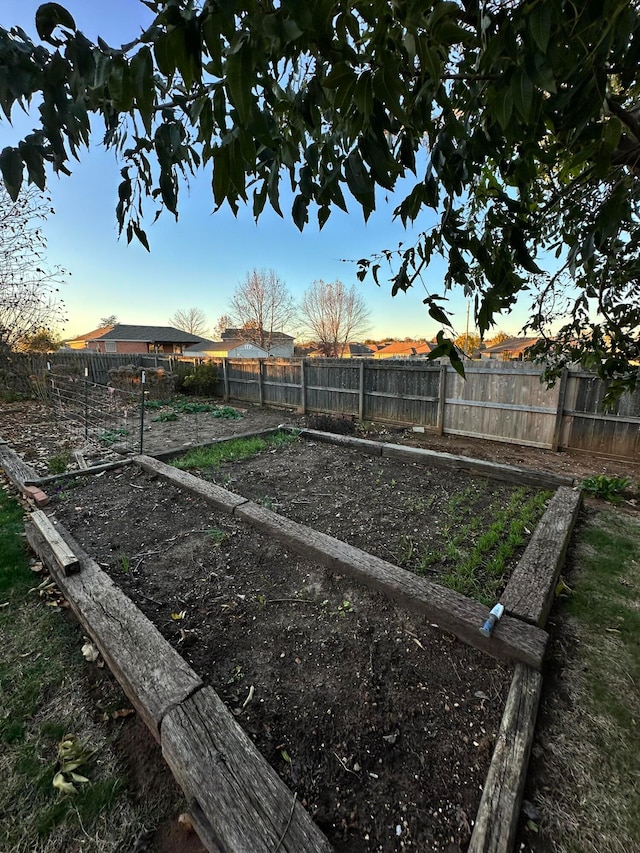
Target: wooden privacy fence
{"x": 497, "y": 400}
{"x": 503, "y": 401}
{"x": 19, "y": 371}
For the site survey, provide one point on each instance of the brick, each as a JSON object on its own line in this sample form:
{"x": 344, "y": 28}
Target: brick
{"x": 35, "y": 494}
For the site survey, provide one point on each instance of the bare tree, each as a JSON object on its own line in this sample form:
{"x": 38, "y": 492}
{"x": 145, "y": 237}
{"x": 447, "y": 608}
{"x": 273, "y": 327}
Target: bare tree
{"x": 111, "y": 320}
{"x": 262, "y": 304}
{"x": 223, "y": 323}
{"x": 192, "y": 320}
{"x": 334, "y": 315}
{"x": 29, "y": 300}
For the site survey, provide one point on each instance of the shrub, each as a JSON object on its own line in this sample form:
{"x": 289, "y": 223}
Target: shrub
{"x": 200, "y": 380}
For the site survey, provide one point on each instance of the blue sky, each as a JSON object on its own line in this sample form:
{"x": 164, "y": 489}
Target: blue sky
{"x": 199, "y": 260}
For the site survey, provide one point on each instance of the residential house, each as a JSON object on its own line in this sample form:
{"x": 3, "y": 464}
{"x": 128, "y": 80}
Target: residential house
{"x": 122, "y": 338}
{"x": 275, "y": 343}
{"x": 405, "y": 349}
{"x": 225, "y": 349}
{"x": 511, "y": 349}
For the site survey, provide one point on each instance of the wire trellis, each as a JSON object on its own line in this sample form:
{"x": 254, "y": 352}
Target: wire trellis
{"x": 99, "y": 415}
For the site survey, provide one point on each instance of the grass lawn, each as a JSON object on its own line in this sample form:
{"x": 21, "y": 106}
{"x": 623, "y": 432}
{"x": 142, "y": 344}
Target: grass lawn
{"x": 585, "y": 770}
{"x": 51, "y": 697}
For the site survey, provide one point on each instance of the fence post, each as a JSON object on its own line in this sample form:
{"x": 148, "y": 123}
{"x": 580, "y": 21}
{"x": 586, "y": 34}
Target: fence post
{"x": 143, "y": 379}
{"x": 361, "y": 391}
{"x": 442, "y": 398}
{"x": 260, "y": 383}
{"x": 303, "y": 387}
{"x": 562, "y": 390}
{"x": 225, "y": 374}
{"x": 86, "y": 402}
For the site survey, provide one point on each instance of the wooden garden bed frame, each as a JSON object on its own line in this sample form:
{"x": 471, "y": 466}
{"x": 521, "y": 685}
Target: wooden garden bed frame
{"x": 237, "y": 801}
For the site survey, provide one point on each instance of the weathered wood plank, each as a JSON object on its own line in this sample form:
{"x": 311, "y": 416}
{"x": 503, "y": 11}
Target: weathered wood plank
{"x": 64, "y": 556}
{"x": 215, "y": 495}
{"x": 499, "y": 810}
{"x": 371, "y": 448}
{"x": 248, "y": 808}
{"x": 530, "y": 591}
{"x": 150, "y": 671}
{"x": 16, "y": 470}
{"x": 511, "y": 640}
{"x": 80, "y": 472}
{"x": 493, "y": 470}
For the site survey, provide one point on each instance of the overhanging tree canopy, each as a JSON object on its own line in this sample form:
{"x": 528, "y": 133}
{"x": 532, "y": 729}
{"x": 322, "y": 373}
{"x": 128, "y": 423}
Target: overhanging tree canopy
{"x": 527, "y": 114}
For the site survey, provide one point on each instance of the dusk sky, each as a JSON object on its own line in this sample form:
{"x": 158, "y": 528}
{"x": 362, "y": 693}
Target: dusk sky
{"x": 199, "y": 260}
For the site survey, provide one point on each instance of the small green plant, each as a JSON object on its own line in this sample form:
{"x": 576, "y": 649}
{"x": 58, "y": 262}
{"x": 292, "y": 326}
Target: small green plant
{"x": 166, "y": 416}
{"x": 226, "y": 412}
{"x": 58, "y": 463}
{"x": 155, "y": 404}
{"x": 218, "y": 536}
{"x": 606, "y": 488}
{"x": 112, "y": 436}
{"x": 125, "y": 563}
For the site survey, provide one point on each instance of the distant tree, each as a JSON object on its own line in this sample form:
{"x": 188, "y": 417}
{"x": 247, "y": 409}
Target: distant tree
{"x": 192, "y": 320}
{"x": 496, "y": 339}
{"x": 467, "y": 343}
{"x": 44, "y": 340}
{"x": 223, "y": 323}
{"x": 29, "y": 291}
{"x": 262, "y": 305}
{"x": 111, "y": 320}
{"x": 334, "y": 315}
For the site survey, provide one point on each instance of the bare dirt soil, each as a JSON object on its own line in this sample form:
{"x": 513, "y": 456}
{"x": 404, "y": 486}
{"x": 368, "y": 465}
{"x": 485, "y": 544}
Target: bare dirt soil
{"x": 415, "y": 516}
{"x": 382, "y": 725}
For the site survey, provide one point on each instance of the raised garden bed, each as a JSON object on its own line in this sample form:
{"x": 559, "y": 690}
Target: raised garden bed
{"x": 465, "y": 531}
{"x": 383, "y": 725}
{"x": 529, "y": 591}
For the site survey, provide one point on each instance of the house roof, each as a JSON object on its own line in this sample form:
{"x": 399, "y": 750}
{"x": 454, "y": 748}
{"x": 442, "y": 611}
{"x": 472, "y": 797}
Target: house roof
{"x": 148, "y": 334}
{"x": 90, "y": 336}
{"x": 358, "y": 349}
{"x": 515, "y": 345}
{"x": 405, "y": 348}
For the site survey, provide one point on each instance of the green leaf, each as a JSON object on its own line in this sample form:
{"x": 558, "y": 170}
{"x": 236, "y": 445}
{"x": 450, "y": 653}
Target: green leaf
{"x": 34, "y": 161}
{"x": 503, "y": 107}
{"x": 341, "y": 74}
{"x": 11, "y": 168}
{"x": 143, "y": 85}
{"x": 141, "y": 235}
{"x": 163, "y": 53}
{"x": 300, "y": 211}
{"x": 522, "y": 92}
{"x": 221, "y": 176}
{"x": 120, "y": 87}
{"x": 359, "y": 182}
{"x": 239, "y": 82}
{"x": 364, "y": 94}
{"x": 48, "y": 17}
{"x": 539, "y": 23}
